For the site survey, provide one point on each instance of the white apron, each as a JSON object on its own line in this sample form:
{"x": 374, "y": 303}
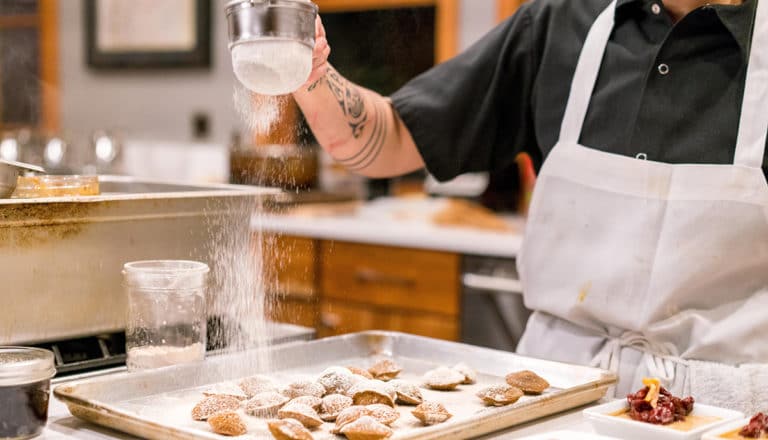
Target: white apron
{"x": 654, "y": 269}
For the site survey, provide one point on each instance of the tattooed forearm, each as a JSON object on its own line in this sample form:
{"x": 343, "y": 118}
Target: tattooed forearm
{"x": 350, "y": 100}
{"x": 373, "y": 146}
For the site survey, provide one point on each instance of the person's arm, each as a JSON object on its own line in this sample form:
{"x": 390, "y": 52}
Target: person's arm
{"x": 356, "y": 126}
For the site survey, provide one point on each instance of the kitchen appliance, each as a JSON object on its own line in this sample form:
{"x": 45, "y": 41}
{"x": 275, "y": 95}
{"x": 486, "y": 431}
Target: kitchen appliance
{"x": 61, "y": 258}
{"x": 492, "y": 314}
{"x": 9, "y": 174}
{"x": 271, "y": 42}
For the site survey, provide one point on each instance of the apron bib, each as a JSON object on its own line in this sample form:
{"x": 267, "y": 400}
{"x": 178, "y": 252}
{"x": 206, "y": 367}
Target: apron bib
{"x": 649, "y": 268}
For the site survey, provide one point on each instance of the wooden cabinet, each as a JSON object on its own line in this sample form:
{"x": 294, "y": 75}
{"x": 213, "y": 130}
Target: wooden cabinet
{"x": 338, "y": 317}
{"x": 290, "y": 279}
{"x": 391, "y": 277}
{"x": 340, "y": 287}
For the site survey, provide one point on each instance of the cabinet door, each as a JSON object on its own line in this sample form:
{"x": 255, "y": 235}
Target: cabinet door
{"x": 406, "y": 279}
{"x": 290, "y": 266}
{"x": 339, "y": 318}
{"x": 293, "y": 311}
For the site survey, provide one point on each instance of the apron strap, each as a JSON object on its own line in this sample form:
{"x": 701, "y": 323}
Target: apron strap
{"x": 753, "y": 124}
{"x": 585, "y": 77}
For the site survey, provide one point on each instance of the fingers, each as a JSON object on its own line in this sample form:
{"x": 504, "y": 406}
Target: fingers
{"x": 319, "y": 28}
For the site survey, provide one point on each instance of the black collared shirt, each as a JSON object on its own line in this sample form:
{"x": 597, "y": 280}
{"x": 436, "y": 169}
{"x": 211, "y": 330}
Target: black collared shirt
{"x": 669, "y": 90}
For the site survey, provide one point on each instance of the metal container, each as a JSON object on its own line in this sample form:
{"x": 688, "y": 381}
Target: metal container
{"x": 251, "y": 20}
{"x": 61, "y": 258}
{"x": 156, "y": 404}
{"x": 10, "y": 172}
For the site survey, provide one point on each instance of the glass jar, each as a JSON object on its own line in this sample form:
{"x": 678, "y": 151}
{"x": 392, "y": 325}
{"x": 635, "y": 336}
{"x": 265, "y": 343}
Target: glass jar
{"x": 28, "y": 187}
{"x": 166, "y": 323}
{"x": 25, "y": 381}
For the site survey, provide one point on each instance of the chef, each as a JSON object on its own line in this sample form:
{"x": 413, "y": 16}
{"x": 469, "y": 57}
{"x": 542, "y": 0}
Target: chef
{"x": 646, "y": 247}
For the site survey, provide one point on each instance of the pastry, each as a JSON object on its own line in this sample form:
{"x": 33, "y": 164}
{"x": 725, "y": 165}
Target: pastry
{"x": 528, "y": 381}
{"x": 500, "y": 395}
{"x": 303, "y": 413}
{"x": 226, "y": 389}
{"x": 470, "y": 375}
{"x": 304, "y": 388}
{"x": 431, "y": 413}
{"x": 214, "y": 404}
{"x": 288, "y": 429}
{"x": 407, "y": 393}
{"x": 265, "y": 404}
{"x": 311, "y": 401}
{"x": 383, "y": 413}
{"x": 332, "y": 405}
{"x": 385, "y": 370}
{"x": 443, "y": 379}
{"x": 258, "y": 384}
{"x": 360, "y": 372}
{"x": 372, "y": 391}
{"x": 227, "y": 423}
{"x": 349, "y": 415}
{"x": 337, "y": 380}
{"x": 366, "y": 428}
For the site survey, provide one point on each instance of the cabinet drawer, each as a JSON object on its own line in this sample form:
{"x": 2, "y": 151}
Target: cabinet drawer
{"x": 290, "y": 265}
{"x": 392, "y": 277}
{"x": 339, "y": 318}
{"x": 293, "y": 311}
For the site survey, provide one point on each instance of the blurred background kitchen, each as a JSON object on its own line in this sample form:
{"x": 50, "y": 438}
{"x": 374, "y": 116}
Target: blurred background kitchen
{"x": 145, "y": 88}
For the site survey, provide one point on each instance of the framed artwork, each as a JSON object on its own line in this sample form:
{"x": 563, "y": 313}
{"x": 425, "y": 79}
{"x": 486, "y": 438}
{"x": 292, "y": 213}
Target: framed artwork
{"x": 148, "y": 33}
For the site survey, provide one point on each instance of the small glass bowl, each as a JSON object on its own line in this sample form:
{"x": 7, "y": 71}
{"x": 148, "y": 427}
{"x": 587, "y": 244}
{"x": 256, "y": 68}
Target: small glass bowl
{"x": 28, "y": 187}
{"x": 25, "y": 380}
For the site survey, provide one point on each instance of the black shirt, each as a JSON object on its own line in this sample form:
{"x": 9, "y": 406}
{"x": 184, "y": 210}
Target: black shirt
{"x": 507, "y": 93}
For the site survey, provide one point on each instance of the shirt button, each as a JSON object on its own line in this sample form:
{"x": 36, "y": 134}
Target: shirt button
{"x": 663, "y": 69}
{"x": 656, "y": 9}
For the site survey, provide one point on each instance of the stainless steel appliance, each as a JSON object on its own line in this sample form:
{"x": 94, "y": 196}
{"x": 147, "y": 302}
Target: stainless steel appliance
{"x": 493, "y": 313}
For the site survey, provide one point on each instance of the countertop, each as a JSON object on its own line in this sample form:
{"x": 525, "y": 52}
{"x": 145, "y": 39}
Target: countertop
{"x": 61, "y": 425}
{"x": 400, "y": 223}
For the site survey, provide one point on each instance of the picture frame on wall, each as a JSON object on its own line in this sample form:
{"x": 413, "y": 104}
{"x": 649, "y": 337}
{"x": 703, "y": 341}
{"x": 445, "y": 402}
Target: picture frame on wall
{"x": 148, "y": 34}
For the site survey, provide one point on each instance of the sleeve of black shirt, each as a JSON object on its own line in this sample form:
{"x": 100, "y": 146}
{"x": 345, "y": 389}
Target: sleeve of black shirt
{"x": 472, "y": 113}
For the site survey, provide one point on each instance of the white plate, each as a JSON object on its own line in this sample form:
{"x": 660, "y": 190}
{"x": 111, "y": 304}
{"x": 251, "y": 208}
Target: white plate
{"x": 606, "y": 424}
{"x": 568, "y": 435}
{"x": 725, "y": 429}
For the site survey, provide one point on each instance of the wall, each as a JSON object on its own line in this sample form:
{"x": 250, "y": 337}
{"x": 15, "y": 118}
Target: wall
{"x": 159, "y": 105}
{"x": 156, "y": 105}
{"x": 476, "y": 18}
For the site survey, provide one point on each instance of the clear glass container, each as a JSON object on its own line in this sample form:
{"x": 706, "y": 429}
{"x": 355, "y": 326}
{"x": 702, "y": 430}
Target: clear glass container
{"x": 166, "y": 323}
{"x": 25, "y": 381}
{"x": 28, "y": 187}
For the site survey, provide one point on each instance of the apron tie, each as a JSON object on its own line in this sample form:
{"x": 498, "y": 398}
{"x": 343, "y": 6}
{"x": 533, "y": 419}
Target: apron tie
{"x": 660, "y": 358}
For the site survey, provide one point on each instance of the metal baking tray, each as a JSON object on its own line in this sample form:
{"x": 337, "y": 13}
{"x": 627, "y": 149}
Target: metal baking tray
{"x": 156, "y": 404}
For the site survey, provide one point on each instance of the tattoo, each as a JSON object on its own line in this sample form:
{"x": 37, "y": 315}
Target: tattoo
{"x": 373, "y": 146}
{"x": 314, "y": 85}
{"x": 351, "y": 102}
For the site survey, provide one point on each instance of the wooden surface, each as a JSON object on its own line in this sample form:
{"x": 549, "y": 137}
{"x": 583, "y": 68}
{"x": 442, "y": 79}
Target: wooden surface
{"x": 392, "y": 277}
{"x": 505, "y": 8}
{"x": 46, "y": 22}
{"x": 340, "y": 317}
{"x": 49, "y": 65}
{"x": 339, "y": 288}
{"x": 446, "y": 26}
{"x": 289, "y": 266}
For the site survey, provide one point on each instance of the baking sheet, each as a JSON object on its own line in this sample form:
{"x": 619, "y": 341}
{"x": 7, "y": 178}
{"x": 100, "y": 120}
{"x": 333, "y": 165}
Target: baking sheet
{"x": 157, "y": 404}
